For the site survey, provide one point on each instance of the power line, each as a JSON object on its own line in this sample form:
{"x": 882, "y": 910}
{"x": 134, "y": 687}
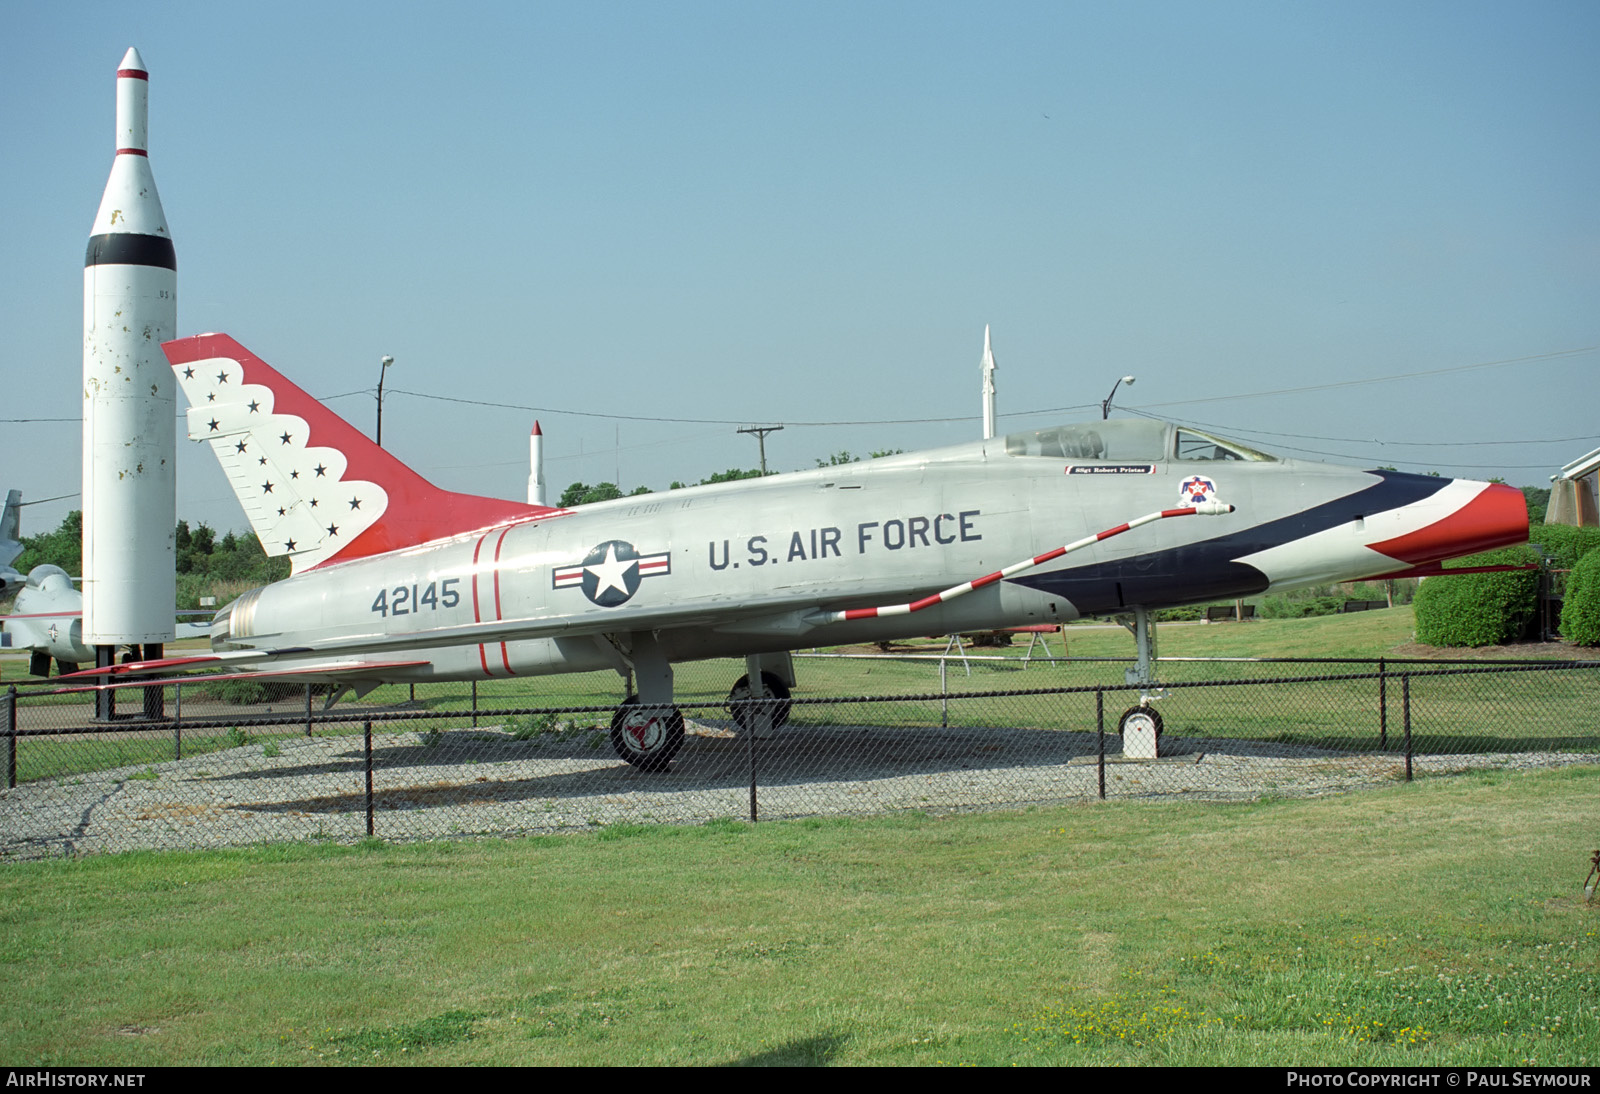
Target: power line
{"x": 1553, "y": 355}
{"x": 674, "y": 421}
{"x": 1365, "y": 440}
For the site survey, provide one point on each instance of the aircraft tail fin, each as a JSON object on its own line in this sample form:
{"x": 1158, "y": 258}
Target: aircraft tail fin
{"x": 314, "y": 487}
{"x": 11, "y": 529}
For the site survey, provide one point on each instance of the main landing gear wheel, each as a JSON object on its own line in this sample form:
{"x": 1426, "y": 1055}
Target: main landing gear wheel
{"x": 646, "y": 737}
{"x": 1140, "y": 718}
{"x": 746, "y": 711}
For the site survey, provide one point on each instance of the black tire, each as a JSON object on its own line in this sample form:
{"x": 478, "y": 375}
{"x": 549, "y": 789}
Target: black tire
{"x": 1142, "y": 712}
{"x": 646, "y": 737}
{"x": 744, "y": 709}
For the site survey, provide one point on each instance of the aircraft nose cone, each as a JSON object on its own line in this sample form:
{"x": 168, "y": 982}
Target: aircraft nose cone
{"x": 1496, "y": 516}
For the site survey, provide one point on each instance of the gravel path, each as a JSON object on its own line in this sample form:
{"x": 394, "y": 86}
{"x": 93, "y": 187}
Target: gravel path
{"x": 483, "y": 782}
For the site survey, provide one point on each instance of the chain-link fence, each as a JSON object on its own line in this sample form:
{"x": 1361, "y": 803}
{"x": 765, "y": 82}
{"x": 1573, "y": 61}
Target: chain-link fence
{"x": 453, "y": 760}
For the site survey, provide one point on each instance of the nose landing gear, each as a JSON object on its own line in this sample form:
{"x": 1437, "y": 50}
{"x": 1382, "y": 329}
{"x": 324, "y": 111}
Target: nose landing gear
{"x": 1140, "y": 726}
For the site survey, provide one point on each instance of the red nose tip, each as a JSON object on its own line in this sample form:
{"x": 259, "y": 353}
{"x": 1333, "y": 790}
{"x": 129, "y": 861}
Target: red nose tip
{"x": 1497, "y": 517}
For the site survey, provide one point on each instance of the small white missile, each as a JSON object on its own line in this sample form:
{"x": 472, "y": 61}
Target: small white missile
{"x": 129, "y": 398}
{"x": 988, "y": 385}
{"x": 536, "y": 493}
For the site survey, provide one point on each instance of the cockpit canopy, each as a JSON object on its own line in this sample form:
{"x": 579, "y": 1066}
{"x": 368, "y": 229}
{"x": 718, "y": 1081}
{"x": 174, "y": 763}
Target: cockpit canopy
{"x": 1129, "y": 440}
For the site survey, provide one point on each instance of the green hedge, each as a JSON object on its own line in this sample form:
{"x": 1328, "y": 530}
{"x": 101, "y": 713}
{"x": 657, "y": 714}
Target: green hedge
{"x": 1580, "y": 610}
{"x": 1563, "y": 544}
{"x": 1479, "y": 609}
{"x": 1494, "y": 609}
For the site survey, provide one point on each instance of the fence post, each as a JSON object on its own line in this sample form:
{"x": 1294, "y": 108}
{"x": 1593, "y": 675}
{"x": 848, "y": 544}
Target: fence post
{"x": 1100, "y": 736}
{"x": 177, "y": 721}
{"x": 944, "y": 697}
{"x": 1383, "y": 704}
{"x": 474, "y": 704}
{"x": 368, "y": 735}
{"x": 308, "y": 710}
{"x": 750, "y": 751}
{"x": 1405, "y": 706}
{"x": 10, "y": 716}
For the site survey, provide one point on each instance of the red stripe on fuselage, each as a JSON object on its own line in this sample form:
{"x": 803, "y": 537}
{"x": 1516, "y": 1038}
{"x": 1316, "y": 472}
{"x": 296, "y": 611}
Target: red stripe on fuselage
{"x": 505, "y": 658}
{"x": 132, "y": 152}
{"x": 477, "y": 616}
{"x": 132, "y": 74}
{"x": 1497, "y": 517}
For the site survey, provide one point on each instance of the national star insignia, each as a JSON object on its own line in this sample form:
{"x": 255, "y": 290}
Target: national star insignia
{"x": 611, "y": 571}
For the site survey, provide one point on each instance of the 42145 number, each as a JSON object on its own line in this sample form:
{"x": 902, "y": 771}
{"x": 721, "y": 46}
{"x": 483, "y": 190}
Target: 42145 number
{"x": 406, "y": 600}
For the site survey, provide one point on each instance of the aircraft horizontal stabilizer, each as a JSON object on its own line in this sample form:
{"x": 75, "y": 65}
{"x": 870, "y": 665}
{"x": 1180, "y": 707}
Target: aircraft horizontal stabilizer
{"x": 344, "y": 669}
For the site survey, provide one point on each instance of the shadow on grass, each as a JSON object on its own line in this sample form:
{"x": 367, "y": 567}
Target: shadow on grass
{"x": 818, "y": 1051}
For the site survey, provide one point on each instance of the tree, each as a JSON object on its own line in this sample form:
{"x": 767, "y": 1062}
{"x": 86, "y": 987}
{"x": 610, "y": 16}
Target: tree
{"x": 1538, "y": 499}
{"x": 581, "y": 493}
{"x": 733, "y": 474}
{"x": 194, "y": 548}
{"x": 63, "y": 547}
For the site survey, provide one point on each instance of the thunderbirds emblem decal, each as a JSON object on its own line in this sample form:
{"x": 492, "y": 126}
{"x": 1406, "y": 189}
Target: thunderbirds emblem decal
{"x": 610, "y": 574}
{"x": 1196, "y": 489}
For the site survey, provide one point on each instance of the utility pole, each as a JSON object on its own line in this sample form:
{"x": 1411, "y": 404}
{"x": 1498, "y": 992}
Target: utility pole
{"x": 761, "y": 432}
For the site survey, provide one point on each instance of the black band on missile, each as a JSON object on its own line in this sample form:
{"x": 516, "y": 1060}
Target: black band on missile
{"x": 124, "y": 249}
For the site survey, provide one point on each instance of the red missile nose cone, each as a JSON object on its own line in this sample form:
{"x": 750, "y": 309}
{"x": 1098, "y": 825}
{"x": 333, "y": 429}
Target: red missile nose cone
{"x": 1497, "y": 517}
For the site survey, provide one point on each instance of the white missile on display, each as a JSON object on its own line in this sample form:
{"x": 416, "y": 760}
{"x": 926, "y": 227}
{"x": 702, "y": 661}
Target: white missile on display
{"x": 129, "y": 394}
{"x": 536, "y": 463}
{"x": 987, "y": 367}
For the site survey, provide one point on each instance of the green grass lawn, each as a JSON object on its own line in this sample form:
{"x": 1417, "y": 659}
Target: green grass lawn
{"x": 1436, "y": 923}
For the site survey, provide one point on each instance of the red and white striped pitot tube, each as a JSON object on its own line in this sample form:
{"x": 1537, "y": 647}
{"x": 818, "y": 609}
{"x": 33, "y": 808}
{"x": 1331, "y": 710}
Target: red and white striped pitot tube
{"x": 1208, "y": 509}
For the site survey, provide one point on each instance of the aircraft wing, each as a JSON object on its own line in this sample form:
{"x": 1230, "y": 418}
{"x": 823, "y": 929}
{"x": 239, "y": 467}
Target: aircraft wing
{"x": 350, "y": 654}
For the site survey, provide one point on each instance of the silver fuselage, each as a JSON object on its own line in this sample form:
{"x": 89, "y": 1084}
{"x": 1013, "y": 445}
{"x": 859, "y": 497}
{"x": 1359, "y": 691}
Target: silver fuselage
{"x": 745, "y": 567}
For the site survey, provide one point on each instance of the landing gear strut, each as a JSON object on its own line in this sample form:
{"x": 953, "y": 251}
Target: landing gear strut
{"x": 647, "y": 729}
{"x": 755, "y": 714}
{"x": 1140, "y": 726}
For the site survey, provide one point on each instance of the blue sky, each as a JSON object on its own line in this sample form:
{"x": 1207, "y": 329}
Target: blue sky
{"x": 807, "y": 213}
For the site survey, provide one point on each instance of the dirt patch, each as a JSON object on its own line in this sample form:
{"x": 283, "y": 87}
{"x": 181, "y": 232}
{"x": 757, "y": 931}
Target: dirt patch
{"x": 1522, "y": 651}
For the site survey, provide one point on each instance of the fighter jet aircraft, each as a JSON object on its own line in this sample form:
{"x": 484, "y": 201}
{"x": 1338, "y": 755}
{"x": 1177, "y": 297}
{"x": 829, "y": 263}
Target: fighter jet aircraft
{"x": 48, "y": 613}
{"x": 397, "y": 580}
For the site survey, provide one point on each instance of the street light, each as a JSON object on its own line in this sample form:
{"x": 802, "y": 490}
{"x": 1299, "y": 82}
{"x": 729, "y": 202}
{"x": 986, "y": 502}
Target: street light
{"x": 1105, "y": 407}
{"x": 384, "y": 371}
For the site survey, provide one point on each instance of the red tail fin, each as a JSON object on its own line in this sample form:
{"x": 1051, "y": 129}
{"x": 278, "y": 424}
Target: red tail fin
{"x": 314, "y": 487}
